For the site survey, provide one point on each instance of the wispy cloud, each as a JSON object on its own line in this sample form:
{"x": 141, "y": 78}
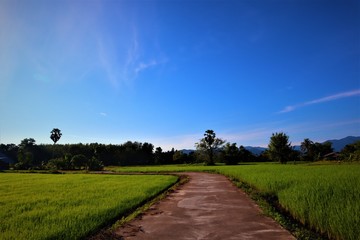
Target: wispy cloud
{"x": 322, "y": 100}
{"x": 133, "y": 55}
{"x": 142, "y": 66}
{"x": 103, "y": 114}
{"x": 105, "y": 59}
{"x": 122, "y": 65}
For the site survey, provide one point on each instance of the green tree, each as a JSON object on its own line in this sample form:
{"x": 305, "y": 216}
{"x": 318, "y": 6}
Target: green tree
{"x": 158, "y": 155}
{"x": 27, "y": 143}
{"x": 79, "y": 161}
{"x": 93, "y": 164}
{"x": 231, "y": 154}
{"x": 55, "y": 135}
{"x": 351, "y": 152}
{"x": 179, "y": 157}
{"x": 308, "y": 149}
{"x": 209, "y": 144}
{"x": 245, "y": 155}
{"x": 279, "y": 148}
{"x": 26, "y": 154}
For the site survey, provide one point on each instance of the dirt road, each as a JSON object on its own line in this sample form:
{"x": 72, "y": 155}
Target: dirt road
{"x": 208, "y": 207}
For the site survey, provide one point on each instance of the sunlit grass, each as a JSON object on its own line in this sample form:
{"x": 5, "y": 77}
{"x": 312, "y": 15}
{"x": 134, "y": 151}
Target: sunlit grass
{"x": 164, "y": 168}
{"x": 325, "y": 197}
{"x": 69, "y": 206}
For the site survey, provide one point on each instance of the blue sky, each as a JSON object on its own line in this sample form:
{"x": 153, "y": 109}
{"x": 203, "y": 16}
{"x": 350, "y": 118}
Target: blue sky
{"x": 165, "y": 71}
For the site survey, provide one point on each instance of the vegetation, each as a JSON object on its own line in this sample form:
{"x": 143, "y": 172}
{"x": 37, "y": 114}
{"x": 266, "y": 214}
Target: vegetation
{"x": 324, "y": 197}
{"x": 163, "y": 168}
{"x": 314, "y": 151}
{"x": 210, "y": 150}
{"x": 280, "y": 148}
{"x": 55, "y": 135}
{"x": 70, "y": 206}
{"x": 231, "y": 154}
{"x": 209, "y": 145}
{"x": 351, "y": 152}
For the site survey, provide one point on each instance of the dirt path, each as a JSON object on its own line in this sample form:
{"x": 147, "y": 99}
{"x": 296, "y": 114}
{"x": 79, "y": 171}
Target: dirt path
{"x": 208, "y": 207}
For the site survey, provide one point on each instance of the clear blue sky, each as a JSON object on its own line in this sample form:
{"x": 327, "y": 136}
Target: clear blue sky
{"x": 165, "y": 71}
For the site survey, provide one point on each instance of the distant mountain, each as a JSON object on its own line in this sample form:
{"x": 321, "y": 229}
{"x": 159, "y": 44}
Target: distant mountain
{"x": 255, "y": 150}
{"x": 187, "y": 151}
{"x": 339, "y": 144}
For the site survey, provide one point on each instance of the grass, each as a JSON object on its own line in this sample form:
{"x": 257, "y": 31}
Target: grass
{"x": 164, "y": 168}
{"x": 324, "y": 197}
{"x": 70, "y": 206}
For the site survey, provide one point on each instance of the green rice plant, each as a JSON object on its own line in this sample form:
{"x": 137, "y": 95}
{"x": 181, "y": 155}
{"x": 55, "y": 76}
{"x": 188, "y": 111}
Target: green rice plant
{"x": 323, "y": 197}
{"x": 165, "y": 168}
{"x": 70, "y": 206}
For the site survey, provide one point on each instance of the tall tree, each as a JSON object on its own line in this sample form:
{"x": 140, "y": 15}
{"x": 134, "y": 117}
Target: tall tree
{"x": 308, "y": 148}
{"x": 279, "y": 147}
{"x": 26, "y": 154}
{"x": 231, "y": 154}
{"x": 158, "y": 155}
{"x": 55, "y": 135}
{"x": 306, "y": 145}
{"x": 209, "y": 144}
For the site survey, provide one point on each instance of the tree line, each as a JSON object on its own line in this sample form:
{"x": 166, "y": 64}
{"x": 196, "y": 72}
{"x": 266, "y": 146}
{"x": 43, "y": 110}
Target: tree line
{"x": 210, "y": 149}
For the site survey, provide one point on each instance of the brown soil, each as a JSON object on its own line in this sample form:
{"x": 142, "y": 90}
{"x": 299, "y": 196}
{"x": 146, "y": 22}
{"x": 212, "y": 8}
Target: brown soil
{"x": 210, "y": 207}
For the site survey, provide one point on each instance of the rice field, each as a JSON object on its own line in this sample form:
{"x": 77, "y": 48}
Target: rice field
{"x": 164, "y": 168}
{"x": 324, "y": 197}
{"x": 70, "y": 206}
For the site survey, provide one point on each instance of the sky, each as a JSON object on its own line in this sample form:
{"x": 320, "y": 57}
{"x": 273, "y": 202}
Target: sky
{"x": 166, "y": 71}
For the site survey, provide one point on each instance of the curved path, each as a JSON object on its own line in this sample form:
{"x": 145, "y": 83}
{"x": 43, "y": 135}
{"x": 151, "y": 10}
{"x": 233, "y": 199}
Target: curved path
{"x": 208, "y": 207}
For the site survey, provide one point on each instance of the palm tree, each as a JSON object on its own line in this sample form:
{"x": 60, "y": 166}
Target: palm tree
{"x": 306, "y": 145}
{"x": 55, "y": 135}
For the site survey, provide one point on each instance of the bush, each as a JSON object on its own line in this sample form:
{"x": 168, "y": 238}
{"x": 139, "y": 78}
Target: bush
{"x": 94, "y": 164}
{"x": 59, "y": 164}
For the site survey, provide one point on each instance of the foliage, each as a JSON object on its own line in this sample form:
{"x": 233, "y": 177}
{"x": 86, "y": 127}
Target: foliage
{"x": 209, "y": 144}
{"x": 78, "y": 161}
{"x": 55, "y": 135}
{"x": 158, "y": 155}
{"x": 59, "y": 164}
{"x": 246, "y": 156}
{"x": 94, "y": 164}
{"x": 351, "y": 152}
{"x": 70, "y": 206}
{"x": 324, "y": 197}
{"x": 231, "y": 154}
{"x": 280, "y": 148}
{"x": 315, "y": 151}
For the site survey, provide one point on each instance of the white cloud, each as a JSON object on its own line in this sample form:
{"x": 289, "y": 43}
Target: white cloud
{"x": 142, "y": 66}
{"x": 105, "y": 57}
{"x": 103, "y": 114}
{"x": 122, "y": 68}
{"x": 322, "y": 100}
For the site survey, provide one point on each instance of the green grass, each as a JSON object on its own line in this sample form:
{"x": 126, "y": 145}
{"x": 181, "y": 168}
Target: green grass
{"x": 325, "y": 197}
{"x": 70, "y": 206}
{"x": 165, "y": 168}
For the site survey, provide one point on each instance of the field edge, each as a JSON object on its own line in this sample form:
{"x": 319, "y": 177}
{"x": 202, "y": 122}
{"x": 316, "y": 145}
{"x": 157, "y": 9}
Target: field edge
{"x": 109, "y": 230}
